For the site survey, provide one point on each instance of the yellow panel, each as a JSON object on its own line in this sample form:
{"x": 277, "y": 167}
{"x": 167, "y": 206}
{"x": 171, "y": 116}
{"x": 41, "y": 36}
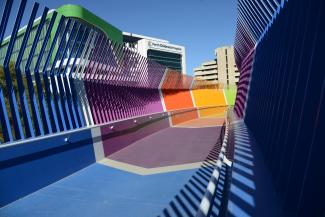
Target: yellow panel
{"x": 209, "y": 97}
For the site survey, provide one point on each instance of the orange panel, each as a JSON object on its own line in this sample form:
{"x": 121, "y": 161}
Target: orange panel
{"x": 177, "y": 99}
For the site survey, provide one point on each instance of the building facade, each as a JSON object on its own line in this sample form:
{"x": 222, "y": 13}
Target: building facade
{"x": 207, "y": 71}
{"x": 158, "y": 50}
{"x": 222, "y": 69}
{"x": 74, "y": 12}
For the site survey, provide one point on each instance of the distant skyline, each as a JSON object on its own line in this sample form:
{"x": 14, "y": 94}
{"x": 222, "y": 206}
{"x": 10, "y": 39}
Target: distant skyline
{"x": 199, "y": 25}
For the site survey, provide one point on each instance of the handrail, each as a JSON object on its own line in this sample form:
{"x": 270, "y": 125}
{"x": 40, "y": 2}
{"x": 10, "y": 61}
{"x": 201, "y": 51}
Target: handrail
{"x": 207, "y": 200}
{"x": 112, "y": 123}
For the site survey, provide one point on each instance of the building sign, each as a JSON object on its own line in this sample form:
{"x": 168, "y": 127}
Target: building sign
{"x": 163, "y": 46}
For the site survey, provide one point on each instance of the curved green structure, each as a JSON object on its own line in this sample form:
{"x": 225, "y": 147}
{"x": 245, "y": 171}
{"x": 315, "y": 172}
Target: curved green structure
{"x": 78, "y": 12}
{"x": 70, "y": 11}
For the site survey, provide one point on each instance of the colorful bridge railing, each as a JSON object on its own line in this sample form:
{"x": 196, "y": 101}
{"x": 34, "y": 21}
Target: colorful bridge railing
{"x": 253, "y": 20}
{"x": 279, "y": 50}
{"x": 70, "y": 96}
{"x": 68, "y": 75}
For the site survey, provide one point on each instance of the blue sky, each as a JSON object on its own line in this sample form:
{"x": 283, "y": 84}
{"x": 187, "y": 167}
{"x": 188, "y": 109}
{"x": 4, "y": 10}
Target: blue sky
{"x": 199, "y": 25}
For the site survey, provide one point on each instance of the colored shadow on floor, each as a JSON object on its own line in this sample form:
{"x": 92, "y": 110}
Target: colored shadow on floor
{"x": 213, "y": 112}
{"x": 202, "y": 122}
{"x": 183, "y": 117}
{"x": 171, "y": 146}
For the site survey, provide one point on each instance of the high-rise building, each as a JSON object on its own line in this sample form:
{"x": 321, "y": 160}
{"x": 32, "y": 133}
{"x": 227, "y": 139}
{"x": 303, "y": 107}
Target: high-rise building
{"x": 222, "y": 69}
{"x": 74, "y": 12}
{"x": 159, "y": 50}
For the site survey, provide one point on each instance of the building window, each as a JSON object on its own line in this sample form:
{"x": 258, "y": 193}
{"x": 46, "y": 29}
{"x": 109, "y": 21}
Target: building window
{"x": 170, "y": 60}
{"x": 226, "y": 57}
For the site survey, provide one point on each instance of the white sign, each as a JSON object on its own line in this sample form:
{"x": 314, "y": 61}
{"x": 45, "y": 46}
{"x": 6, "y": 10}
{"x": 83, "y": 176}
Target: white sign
{"x": 163, "y": 46}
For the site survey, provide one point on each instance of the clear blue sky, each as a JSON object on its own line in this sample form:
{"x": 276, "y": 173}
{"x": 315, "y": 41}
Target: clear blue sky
{"x": 199, "y": 25}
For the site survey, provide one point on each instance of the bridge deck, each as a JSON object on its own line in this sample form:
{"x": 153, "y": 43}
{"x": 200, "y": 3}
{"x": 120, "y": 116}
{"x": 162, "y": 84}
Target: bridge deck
{"x": 139, "y": 180}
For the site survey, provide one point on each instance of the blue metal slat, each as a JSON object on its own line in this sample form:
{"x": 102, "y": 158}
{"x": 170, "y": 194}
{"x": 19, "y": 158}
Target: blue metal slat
{"x": 67, "y": 86}
{"x": 267, "y": 8}
{"x": 43, "y": 108}
{"x": 257, "y": 12}
{"x": 244, "y": 18}
{"x": 68, "y": 91}
{"x": 250, "y": 16}
{"x": 5, "y": 124}
{"x": 84, "y": 55}
{"x": 49, "y": 100}
{"x": 57, "y": 74}
{"x": 273, "y": 5}
{"x": 62, "y": 119}
{"x": 74, "y": 93}
{"x": 252, "y": 29}
{"x": 11, "y": 94}
{"x": 21, "y": 89}
{"x": 245, "y": 29}
{"x": 262, "y": 10}
{"x": 5, "y": 17}
{"x": 80, "y": 74}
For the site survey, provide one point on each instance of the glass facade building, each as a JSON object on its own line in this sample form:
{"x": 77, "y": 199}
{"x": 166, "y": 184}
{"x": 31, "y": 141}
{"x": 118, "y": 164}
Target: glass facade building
{"x": 170, "y": 60}
{"x": 158, "y": 50}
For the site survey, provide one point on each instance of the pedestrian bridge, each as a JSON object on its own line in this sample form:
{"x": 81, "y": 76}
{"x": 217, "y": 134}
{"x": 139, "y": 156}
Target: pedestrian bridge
{"x": 89, "y": 127}
{"x": 147, "y": 168}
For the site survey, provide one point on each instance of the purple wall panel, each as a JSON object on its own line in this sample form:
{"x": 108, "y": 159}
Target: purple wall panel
{"x": 155, "y": 105}
{"x": 120, "y": 83}
{"x": 243, "y": 84}
{"x": 110, "y": 102}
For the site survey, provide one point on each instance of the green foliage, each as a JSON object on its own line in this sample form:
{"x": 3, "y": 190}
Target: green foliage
{"x": 5, "y": 89}
{"x": 3, "y": 78}
{"x": 15, "y": 89}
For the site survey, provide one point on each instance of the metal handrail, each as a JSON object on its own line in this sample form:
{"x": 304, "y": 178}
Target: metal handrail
{"x": 207, "y": 200}
{"x": 112, "y": 123}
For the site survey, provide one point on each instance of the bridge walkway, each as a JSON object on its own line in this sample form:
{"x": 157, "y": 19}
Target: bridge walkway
{"x": 164, "y": 174}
